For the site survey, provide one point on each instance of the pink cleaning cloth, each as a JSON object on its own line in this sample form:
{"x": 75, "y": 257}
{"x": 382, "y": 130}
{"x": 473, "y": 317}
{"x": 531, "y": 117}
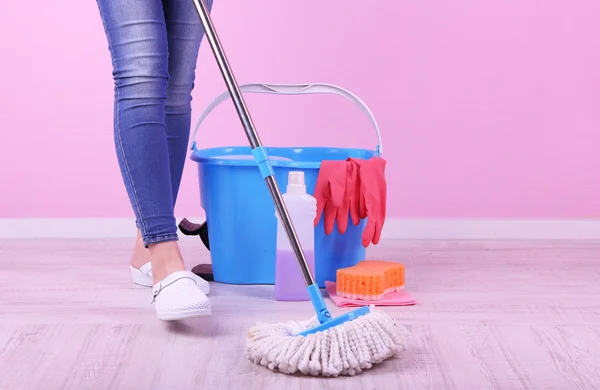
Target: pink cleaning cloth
{"x": 398, "y": 298}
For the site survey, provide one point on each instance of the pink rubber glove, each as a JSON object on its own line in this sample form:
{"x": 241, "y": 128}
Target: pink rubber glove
{"x": 351, "y": 201}
{"x": 329, "y": 192}
{"x": 338, "y": 195}
{"x": 373, "y": 197}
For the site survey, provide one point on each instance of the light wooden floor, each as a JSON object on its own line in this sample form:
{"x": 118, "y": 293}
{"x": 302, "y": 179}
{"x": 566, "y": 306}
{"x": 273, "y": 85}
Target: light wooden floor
{"x": 490, "y": 316}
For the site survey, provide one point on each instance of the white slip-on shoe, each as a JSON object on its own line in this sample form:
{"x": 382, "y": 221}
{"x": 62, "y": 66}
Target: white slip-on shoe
{"x": 178, "y": 297}
{"x": 143, "y": 277}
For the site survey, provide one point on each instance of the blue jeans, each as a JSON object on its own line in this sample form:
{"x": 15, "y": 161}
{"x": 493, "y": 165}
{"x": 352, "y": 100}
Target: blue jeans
{"x": 154, "y": 47}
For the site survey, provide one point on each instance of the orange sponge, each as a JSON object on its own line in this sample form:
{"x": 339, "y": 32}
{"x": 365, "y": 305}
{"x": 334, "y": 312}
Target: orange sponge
{"x": 369, "y": 280}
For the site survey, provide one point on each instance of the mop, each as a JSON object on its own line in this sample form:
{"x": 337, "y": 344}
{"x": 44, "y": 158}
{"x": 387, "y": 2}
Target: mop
{"x": 323, "y": 345}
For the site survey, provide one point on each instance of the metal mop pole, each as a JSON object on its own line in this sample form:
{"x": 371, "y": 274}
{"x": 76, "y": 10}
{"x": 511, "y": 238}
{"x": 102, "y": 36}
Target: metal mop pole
{"x": 257, "y": 147}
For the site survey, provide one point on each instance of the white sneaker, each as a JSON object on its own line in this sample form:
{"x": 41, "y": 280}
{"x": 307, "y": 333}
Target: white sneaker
{"x": 143, "y": 277}
{"x": 178, "y": 296}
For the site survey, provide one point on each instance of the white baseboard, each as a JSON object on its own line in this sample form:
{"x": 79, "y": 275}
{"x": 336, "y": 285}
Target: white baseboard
{"x": 395, "y": 228}
{"x": 492, "y": 229}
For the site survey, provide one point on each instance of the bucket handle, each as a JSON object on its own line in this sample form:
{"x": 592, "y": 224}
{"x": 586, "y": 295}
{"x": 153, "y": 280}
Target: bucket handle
{"x": 292, "y": 89}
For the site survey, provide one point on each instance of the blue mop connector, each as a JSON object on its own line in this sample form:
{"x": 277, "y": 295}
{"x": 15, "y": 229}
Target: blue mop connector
{"x": 262, "y": 160}
{"x": 324, "y": 316}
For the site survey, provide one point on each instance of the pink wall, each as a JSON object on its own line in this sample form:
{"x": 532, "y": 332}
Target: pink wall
{"x": 488, "y": 109}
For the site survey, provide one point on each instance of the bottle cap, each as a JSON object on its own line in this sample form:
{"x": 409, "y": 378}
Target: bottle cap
{"x": 296, "y": 184}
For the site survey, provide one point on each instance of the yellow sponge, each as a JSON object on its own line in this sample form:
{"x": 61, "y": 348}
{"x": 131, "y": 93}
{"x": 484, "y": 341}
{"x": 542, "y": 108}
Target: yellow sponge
{"x": 369, "y": 280}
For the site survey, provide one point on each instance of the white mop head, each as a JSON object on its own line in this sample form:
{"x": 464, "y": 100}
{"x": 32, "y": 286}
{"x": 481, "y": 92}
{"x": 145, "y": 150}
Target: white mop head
{"x": 346, "y": 349}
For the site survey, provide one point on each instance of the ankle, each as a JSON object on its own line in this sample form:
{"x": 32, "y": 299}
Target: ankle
{"x": 166, "y": 259}
{"x": 141, "y": 254}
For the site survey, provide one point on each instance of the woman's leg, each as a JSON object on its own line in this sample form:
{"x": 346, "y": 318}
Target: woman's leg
{"x": 184, "y": 34}
{"x": 137, "y": 36}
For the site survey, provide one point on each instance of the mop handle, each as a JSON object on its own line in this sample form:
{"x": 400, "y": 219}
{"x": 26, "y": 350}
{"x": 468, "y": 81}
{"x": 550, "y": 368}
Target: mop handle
{"x": 258, "y": 150}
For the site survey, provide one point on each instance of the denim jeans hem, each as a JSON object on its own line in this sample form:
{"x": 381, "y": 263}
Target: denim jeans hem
{"x": 160, "y": 238}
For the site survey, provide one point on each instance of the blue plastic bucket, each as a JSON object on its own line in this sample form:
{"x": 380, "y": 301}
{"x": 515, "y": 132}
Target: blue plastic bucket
{"x": 242, "y": 226}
